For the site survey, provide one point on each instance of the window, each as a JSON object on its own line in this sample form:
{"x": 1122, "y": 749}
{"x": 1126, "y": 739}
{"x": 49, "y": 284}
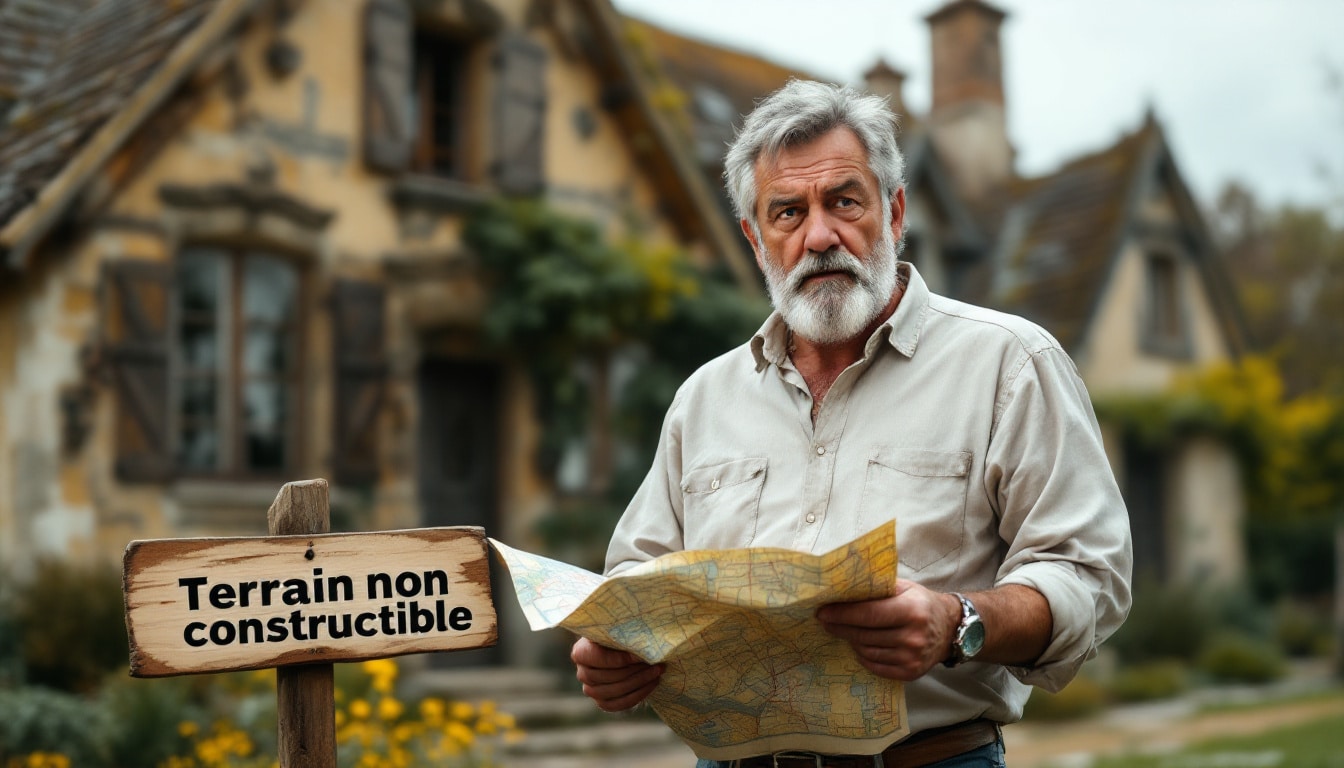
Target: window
{"x": 437, "y": 104}
{"x": 1165, "y": 332}
{"x": 234, "y": 362}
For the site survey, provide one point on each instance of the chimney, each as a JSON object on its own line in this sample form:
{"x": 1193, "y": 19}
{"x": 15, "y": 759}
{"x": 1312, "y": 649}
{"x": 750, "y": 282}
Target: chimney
{"x": 887, "y": 81}
{"x": 968, "y": 120}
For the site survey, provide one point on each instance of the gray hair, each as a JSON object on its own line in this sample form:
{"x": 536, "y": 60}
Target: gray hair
{"x": 804, "y": 110}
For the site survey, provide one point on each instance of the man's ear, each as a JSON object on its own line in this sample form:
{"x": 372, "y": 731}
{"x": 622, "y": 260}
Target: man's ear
{"x": 898, "y": 212}
{"x": 751, "y": 238}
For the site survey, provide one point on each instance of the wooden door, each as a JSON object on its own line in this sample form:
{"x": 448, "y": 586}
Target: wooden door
{"x": 458, "y": 470}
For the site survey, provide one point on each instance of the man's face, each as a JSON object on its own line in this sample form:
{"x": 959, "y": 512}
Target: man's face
{"x": 827, "y": 241}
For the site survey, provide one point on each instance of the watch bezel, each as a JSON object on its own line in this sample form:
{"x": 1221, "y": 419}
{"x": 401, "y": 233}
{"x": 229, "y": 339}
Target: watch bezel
{"x": 970, "y": 628}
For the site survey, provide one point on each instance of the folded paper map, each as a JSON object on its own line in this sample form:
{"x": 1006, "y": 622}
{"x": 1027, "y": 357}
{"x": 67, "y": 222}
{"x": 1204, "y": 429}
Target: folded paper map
{"x": 749, "y": 669}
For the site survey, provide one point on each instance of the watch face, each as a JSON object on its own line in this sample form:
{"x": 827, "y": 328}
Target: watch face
{"x": 973, "y": 639}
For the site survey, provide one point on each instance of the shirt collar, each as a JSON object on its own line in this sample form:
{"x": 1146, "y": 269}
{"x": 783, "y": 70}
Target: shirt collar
{"x": 901, "y": 330}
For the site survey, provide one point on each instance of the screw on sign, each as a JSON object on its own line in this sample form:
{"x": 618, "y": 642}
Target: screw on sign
{"x": 300, "y": 599}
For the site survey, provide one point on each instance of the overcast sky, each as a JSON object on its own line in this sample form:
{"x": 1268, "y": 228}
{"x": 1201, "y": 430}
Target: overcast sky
{"x": 1239, "y": 85}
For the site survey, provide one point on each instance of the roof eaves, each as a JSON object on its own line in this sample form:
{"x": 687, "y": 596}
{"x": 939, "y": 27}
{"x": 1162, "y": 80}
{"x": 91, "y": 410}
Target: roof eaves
{"x": 26, "y": 229}
{"x": 721, "y": 238}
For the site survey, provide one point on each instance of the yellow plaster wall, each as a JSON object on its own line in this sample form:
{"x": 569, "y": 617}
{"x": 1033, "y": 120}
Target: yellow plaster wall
{"x": 598, "y": 177}
{"x": 1113, "y": 360}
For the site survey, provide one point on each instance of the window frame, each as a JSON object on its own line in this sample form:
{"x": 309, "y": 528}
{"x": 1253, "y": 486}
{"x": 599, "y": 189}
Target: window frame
{"x": 1165, "y": 317}
{"x": 230, "y": 378}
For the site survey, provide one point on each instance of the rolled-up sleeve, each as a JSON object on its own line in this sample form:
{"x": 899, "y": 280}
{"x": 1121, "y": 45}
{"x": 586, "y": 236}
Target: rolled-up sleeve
{"x": 1060, "y": 511}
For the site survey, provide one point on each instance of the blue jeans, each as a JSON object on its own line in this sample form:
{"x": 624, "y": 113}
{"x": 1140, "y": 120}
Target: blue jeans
{"x": 988, "y": 756}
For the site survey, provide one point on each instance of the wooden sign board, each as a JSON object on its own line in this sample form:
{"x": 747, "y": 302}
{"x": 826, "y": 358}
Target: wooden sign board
{"x": 223, "y": 604}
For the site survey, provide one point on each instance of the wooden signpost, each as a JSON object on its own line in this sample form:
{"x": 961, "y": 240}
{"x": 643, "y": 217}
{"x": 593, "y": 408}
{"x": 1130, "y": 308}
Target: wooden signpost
{"x": 300, "y": 599}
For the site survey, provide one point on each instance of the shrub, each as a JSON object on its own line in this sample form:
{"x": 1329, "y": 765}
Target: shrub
{"x": 70, "y": 620}
{"x": 1165, "y": 622}
{"x": 1236, "y": 658}
{"x": 42, "y": 720}
{"x": 1301, "y": 631}
{"x": 1081, "y": 698}
{"x": 1149, "y": 681}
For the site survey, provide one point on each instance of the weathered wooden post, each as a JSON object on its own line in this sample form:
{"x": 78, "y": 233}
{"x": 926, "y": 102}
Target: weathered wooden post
{"x": 306, "y": 693}
{"x": 299, "y": 600}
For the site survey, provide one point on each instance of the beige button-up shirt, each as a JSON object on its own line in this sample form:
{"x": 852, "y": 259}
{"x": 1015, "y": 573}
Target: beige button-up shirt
{"x": 969, "y": 427}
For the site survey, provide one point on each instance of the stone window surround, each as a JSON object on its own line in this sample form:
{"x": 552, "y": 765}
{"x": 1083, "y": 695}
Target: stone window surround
{"x": 239, "y": 214}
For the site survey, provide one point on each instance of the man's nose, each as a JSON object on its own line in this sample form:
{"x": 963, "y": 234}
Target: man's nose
{"x": 820, "y": 234}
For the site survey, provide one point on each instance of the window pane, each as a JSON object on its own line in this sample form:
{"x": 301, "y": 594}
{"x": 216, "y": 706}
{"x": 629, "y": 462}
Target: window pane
{"x": 199, "y": 280}
{"x": 264, "y": 416}
{"x": 199, "y": 448}
{"x": 198, "y": 350}
{"x": 198, "y": 402}
{"x": 264, "y": 350}
{"x": 268, "y": 289}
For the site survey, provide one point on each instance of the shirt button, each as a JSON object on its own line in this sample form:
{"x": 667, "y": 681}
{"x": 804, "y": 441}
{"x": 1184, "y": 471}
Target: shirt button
{"x": 811, "y": 518}
{"x": 714, "y": 484}
{"x": 821, "y": 450}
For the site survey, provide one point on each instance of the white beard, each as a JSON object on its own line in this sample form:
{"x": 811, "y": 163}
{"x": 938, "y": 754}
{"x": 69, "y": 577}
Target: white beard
{"x": 836, "y": 310}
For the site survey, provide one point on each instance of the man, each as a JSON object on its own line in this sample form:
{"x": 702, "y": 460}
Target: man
{"x": 865, "y": 398}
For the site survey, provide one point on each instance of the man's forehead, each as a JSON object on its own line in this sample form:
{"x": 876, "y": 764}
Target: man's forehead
{"x": 837, "y": 153}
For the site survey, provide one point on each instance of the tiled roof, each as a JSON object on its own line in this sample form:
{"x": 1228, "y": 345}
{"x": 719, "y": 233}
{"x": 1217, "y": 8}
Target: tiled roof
{"x": 29, "y": 33}
{"x": 1061, "y": 232}
{"x": 103, "y": 52}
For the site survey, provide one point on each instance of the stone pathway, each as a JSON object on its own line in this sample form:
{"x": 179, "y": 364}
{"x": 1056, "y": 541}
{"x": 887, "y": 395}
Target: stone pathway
{"x": 1155, "y": 727}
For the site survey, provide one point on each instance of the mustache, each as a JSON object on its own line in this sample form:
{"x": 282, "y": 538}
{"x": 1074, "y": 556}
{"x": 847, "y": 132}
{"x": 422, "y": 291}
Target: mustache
{"x": 832, "y": 260}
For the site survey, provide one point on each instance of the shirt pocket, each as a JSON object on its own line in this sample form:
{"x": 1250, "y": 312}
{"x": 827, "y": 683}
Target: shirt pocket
{"x": 925, "y": 492}
{"x": 721, "y": 503}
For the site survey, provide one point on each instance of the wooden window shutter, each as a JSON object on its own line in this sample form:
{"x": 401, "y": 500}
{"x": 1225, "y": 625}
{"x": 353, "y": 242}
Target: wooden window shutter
{"x": 520, "y": 115}
{"x": 136, "y": 299}
{"x": 361, "y": 376}
{"x": 388, "y": 73}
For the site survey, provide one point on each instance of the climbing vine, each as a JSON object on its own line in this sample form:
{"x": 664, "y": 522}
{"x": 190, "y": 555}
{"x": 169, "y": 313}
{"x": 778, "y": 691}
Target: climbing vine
{"x": 569, "y": 302}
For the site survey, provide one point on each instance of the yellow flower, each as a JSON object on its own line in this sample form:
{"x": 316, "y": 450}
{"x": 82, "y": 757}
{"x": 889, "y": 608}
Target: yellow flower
{"x": 186, "y": 729}
{"x": 432, "y": 711}
{"x": 359, "y": 708}
{"x": 390, "y": 709}
{"x": 459, "y": 733}
{"x": 462, "y": 710}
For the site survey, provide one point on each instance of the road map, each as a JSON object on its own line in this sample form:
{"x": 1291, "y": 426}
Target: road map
{"x": 749, "y": 669}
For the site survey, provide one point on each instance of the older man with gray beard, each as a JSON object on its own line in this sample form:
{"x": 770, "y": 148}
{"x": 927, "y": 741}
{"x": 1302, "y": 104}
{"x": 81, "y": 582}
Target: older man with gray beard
{"x": 865, "y": 399}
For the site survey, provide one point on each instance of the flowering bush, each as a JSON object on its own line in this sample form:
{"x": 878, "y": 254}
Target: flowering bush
{"x": 374, "y": 729}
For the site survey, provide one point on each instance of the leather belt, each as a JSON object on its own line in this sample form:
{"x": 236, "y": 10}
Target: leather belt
{"x": 923, "y": 748}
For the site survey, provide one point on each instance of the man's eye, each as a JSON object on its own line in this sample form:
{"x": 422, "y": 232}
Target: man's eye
{"x": 845, "y": 202}
{"x": 787, "y": 213}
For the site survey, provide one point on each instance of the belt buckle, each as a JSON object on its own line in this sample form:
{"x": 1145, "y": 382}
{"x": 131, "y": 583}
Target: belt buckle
{"x": 788, "y": 756}
{"x": 818, "y": 760}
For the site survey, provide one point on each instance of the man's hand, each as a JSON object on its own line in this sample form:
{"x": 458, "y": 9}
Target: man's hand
{"x": 616, "y": 680}
{"x": 902, "y": 636}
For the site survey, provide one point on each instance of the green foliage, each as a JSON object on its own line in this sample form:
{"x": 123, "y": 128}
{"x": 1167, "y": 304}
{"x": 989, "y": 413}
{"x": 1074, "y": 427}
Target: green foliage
{"x": 1165, "y": 622}
{"x": 1083, "y": 697}
{"x": 569, "y": 303}
{"x": 1237, "y": 658}
{"x": 1149, "y": 681}
{"x": 1291, "y": 451}
{"x": 70, "y": 620}
{"x": 1302, "y": 630}
{"x": 44, "y": 720}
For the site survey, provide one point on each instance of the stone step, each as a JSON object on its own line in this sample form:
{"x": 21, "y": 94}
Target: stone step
{"x": 477, "y": 683}
{"x": 613, "y": 735}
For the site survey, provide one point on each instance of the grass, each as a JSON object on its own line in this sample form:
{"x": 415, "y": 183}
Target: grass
{"x": 1318, "y": 744}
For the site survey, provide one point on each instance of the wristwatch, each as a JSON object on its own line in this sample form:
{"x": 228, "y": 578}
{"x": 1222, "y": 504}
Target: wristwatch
{"x": 970, "y": 636}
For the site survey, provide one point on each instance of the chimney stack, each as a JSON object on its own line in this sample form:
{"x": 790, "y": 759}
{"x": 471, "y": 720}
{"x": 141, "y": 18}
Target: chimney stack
{"x": 889, "y": 82}
{"x": 968, "y": 120}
